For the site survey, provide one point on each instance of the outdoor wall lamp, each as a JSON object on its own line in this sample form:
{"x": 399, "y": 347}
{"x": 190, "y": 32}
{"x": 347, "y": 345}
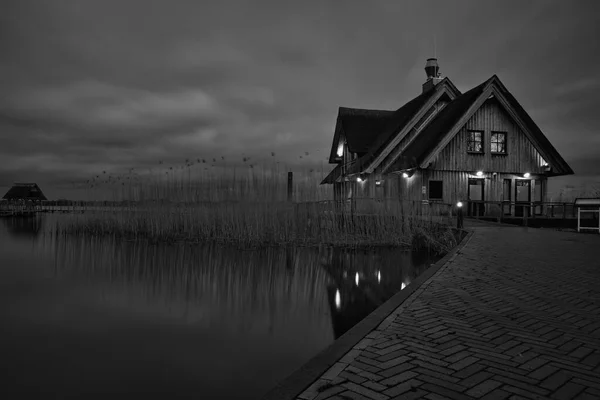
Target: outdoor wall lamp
{"x": 407, "y": 174}
{"x": 479, "y": 173}
{"x": 377, "y": 183}
{"x": 526, "y": 175}
{"x": 459, "y": 204}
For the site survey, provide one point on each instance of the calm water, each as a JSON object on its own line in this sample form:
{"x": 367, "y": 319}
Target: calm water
{"x": 82, "y": 316}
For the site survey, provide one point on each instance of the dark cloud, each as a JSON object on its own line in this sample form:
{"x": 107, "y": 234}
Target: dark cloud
{"x": 109, "y": 85}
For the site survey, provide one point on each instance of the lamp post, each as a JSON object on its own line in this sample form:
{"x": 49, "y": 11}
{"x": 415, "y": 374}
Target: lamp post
{"x": 459, "y": 215}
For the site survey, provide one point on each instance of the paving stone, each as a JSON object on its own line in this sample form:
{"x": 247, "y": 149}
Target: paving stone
{"x": 514, "y": 315}
{"x": 403, "y": 387}
{"x": 568, "y": 391}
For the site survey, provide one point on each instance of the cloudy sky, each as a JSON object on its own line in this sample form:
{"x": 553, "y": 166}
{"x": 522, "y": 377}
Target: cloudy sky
{"x": 109, "y": 85}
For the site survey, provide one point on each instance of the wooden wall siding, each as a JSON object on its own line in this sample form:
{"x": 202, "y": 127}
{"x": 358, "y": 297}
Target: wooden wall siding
{"x": 456, "y": 183}
{"x": 521, "y": 155}
{"x": 436, "y": 108}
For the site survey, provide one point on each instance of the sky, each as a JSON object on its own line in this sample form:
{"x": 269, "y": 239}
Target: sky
{"x": 108, "y": 85}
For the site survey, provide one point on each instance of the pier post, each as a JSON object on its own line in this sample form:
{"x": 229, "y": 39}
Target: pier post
{"x": 290, "y": 186}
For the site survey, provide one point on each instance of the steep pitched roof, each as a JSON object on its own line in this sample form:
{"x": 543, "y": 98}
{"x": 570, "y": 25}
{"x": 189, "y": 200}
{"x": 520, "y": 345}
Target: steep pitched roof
{"x": 539, "y": 135}
{"x": 426, "y": 140}
{"x": 430, "y": 143}
{"x": 362, "y": 127}
{"x": 24, "y": 191}
{"x": 368, "y": 131}
{"x": 333, "y": 175}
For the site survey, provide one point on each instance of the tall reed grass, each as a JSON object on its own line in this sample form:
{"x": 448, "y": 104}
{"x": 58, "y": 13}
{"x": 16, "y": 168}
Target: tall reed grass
{"x": 248, "y": 207}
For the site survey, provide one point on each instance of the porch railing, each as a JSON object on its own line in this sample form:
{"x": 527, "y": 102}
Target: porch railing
{"x": 525, "y": 210}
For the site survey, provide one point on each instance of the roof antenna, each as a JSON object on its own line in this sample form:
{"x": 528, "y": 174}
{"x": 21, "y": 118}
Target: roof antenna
{"x": 434, "y": 47}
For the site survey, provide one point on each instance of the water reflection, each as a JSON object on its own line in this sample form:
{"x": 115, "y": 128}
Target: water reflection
{"x": 362, "y": 281}
{"x": 132, "y": 317}
{"x": 23, "y": 227}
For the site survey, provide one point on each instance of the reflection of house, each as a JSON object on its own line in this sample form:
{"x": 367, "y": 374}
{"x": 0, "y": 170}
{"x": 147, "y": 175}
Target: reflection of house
{"x": 24, "y": 191}
{"x": 444, "y": 146}
{"x": 360, "y": 283}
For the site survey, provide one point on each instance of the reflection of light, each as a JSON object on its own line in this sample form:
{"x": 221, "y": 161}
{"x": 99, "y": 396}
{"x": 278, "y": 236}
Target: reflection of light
{"x": 356, "y": 278}
{"x": 340, "y": 150}
{"x": 403, "y": 286}
{"x": 338, "y": 299}
{"x": 378, "y": 276}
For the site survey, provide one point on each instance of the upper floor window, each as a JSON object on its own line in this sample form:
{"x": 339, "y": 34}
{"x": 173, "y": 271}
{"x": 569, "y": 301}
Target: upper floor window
{"x": 498, "y": 142}
{"x": 475, "y": 142}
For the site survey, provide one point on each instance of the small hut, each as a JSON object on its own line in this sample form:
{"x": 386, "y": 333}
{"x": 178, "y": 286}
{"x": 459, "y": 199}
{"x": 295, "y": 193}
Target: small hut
{"x": 24, "y": 192}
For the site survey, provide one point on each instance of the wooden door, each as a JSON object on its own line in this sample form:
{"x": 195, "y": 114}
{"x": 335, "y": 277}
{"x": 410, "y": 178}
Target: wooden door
{"x": 476, "y": 195}
{"x": 522, "y": 197}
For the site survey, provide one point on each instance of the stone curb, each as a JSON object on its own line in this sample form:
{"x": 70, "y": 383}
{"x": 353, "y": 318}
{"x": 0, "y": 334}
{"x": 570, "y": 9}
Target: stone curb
{"x": 347, "y": 345}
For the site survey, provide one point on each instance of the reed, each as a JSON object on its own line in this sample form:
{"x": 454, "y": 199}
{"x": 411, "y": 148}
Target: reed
{"x": 248, "y": 207}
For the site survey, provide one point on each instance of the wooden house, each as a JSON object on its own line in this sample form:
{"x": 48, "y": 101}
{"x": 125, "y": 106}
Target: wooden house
{"x": 445, "y": 146}
{"x": 24, "y": 192}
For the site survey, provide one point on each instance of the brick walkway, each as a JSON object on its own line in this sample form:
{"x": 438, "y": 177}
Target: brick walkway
{"x": 514, "y": 315}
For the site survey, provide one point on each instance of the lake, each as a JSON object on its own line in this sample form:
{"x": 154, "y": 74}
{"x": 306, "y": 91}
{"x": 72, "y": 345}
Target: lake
{"x": 82, "y": 316}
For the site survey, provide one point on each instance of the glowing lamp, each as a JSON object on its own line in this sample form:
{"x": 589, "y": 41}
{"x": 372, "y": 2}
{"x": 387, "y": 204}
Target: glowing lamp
{"x": 459, "y": 204}
{"x": 338, "y": 299}
{"x": 479, "y": 173}
{"x": 378, "y": 183}
{"x": 356, "y": 280}
{"x": 358, "y": 179}
{"x": 526, "y": 175}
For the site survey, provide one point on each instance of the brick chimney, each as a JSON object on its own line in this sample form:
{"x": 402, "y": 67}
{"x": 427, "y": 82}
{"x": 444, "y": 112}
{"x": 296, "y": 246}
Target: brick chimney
{"x": 433, "y": 75}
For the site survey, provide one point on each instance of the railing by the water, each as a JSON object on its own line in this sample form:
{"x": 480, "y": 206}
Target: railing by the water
{"x": 550, "y": 214}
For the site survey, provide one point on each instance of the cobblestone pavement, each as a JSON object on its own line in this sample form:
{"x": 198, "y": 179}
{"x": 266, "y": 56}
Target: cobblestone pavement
{"x": 514, "y": 315}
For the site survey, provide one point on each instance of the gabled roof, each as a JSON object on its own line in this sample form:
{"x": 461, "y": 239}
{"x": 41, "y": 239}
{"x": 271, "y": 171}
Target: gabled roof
{"x": 439, "y": 133}
{"x": 380, "y": 126}
{"x": 537, "y": 132}
{"x": 361, "y": 127}
{"x": 24, "y": 191}
{"x": 333, "y": 175}
{"x": 398, "y": 120}
{"x": 436, "y": 134}
{"x": 426, "y": 140}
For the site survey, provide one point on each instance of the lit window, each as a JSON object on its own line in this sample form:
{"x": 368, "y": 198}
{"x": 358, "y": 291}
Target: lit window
{"x": 475, "y": 142}
{"x": 498, "y": 142}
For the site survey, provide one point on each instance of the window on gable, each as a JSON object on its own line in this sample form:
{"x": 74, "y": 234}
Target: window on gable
{"x": 436, "y": 191}
{"x": 498, "y": 142}
{"x": 475, "y": 142}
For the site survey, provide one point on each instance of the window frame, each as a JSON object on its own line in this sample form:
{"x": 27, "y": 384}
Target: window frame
{"x": 441, "y": 182}
{"x": 470, "y": 132}
{"x": 500, "y": 153}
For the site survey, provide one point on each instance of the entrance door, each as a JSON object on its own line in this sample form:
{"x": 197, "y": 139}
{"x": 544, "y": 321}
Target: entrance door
{"x": 506, "y": 196}
{"x": 522, "y": 197}
{"x": 476, "y": 196}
